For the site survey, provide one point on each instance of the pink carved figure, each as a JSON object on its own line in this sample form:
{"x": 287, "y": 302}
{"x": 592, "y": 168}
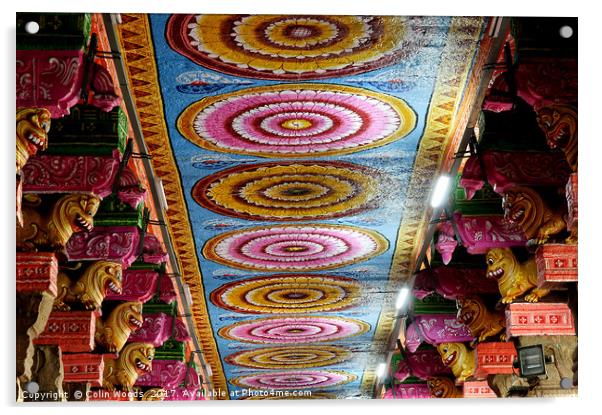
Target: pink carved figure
{"x": 130, "y": 190}
{"x": 481, "y": 233}
{"x": 442, "y": 328}
{"x": 446, "y": 242}
{"x": 153, "y": 252}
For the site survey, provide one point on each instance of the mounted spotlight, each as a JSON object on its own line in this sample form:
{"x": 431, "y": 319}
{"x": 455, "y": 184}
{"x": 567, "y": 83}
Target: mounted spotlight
{"x": 441, "y": 190}
{"x": 531, "y": 361}
{"x": 402, "y": 298}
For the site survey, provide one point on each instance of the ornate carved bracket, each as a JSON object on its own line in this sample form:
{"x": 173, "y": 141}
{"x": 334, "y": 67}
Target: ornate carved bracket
{"x": 54, "y": 79}
{"x": 481, "y": 233}
{"x": 70, "y": 174}
{"x": 556, "y": 264}
{"x": 49, "y": 79}
{"x": 167, "y": 374}
{"x": 37, "y": 272}
{"x": 119, "y": 243}
{"x": 73, "y": 331}
{"x": 157, "y": 328}
{"x": 141, "y": 285}
{"x": 153, "y": 251}
{"x": 539, "y": 319}
{"x": 83, "y": 368}
{"x": 494, "y": 358}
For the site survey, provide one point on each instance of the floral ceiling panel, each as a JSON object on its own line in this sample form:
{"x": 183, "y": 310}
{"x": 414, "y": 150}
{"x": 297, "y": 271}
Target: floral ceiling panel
{"x": 297, "y": 154}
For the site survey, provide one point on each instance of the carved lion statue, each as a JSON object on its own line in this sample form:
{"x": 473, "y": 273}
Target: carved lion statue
{"x": 71, "y": 213}
{"x": 481, "y": 322}
{"x": 514, "y": 279}
{"x": 458, "y": 358}
{"x": 442, "y": 387}
{"x": 33, "y": 125}
{"x": 90, "y": 289}
{"x": 559, "y": 123}
{"x": 113, "y": 333}
{"x": 525, "y": 208}
{"x": 134, "y": 360}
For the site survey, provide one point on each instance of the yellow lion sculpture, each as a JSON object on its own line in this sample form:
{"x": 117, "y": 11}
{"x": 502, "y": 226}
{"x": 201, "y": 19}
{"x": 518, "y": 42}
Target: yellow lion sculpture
{"x": 33, "y": 125}
{"x": 559, "y": 123}
{"x": 458, "y": 358}
{"x": 524, "y": 207}
{"x": 134, "y": 360}
{"x": 113, "y": 333}
{"x": 514, "y": 279}
{"x": 91, "y": 288}
{"x": 481, "y": 322}
{"x": 71, "y": 213}
{"x": 442, "y": 387}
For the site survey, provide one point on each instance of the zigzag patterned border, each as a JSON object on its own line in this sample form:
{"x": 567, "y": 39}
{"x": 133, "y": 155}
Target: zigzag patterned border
{"x": 445, "y": 125}
{"x": 139, "y": 58}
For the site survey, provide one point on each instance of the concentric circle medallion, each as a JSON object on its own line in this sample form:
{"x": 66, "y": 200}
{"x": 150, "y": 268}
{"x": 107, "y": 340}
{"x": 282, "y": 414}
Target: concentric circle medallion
{"x": 290, "y": 357}
{"x": 289, "y": 191}
{"x": 294, "y": 330}
{"x": 294, "y": 247}
{"x": 296, "y": 120}
{"x": 288, "y": 293}
{"x": 295, "y": 47}
{"x": 303, "y": 379}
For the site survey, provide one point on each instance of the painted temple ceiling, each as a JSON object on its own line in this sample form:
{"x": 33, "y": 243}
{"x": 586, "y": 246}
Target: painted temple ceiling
{"x": 297, "y": 154}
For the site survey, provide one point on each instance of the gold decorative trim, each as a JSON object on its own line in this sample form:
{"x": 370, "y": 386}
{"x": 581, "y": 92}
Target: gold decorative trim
{"x": 139, "y": 59}
{"x": 449, "y": 98}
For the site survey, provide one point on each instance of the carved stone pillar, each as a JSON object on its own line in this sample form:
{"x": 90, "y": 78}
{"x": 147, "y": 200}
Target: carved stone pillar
{"x": 539, "y": 319}
{"x": 73, "y": 331}
{"x": 70, "y": 174}
{"x": 36, "y": 289}
{"x": 47, "y": 375}
{"x": 556, "y": 264}
{"x": 118, "y": 243}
